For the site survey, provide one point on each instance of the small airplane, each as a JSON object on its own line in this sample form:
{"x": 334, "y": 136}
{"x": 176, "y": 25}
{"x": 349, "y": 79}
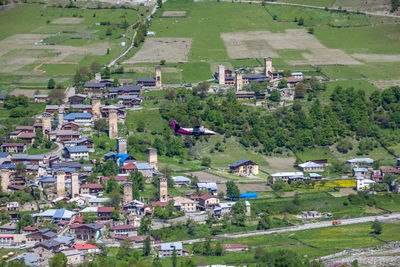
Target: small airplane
{"x": 190, "y": 131}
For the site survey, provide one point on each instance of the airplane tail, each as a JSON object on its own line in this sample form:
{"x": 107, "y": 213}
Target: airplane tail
{"x": 175, "y": 125}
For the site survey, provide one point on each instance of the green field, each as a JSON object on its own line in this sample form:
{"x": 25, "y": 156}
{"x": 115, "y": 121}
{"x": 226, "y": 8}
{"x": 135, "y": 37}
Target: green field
{"x": 314, "y": 16}
{"x": 323, "y": 3}
{"x": 340, "y": 72}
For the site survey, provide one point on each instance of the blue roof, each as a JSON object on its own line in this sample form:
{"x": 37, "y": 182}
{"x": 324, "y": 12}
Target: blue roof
{"x": 143, "y": 166}
{"x": 47, "y": 180}
{"x": 3, "y": 155}
{"x": 77, "y": 149}
{"x": 122, "y": 157}
{"x": 58, "y": 214}
{"x": 74, "y": 116}
{"x": 7, "y": 166}
{"x": 66, "y": 169}
{"x": 248, "y": 195}
{"x": 360, "y": 170}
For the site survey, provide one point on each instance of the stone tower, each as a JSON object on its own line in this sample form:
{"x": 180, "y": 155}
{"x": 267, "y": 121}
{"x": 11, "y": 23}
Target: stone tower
{"x": 60, "y": 183}
{"x": 46, "y": 119}
{"x": 267, "y": 66}
{"x": 152, "y": 158}
{"x": 239, "y": 80}
{"x": 112, "y": 124}
{"x": 158, "y": 77}
{"x": 96, "y": 107}
{"x": 121, "y": 146}
{"x": 74, "y": 184}
{"x": 221, "y": 74}
{"x": 5, "y": 179}
{"x": 128, "y": 192}
{"x": 60, "y": 117}
{"x": 163, "y": 189}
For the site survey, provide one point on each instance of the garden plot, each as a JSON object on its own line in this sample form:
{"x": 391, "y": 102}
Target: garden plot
{"x": 67, "y": 21}
{"x": 383, "y": 84}
{"x": 256, "y": 44}
{"x": 247, "y": 188}
{"x": 280, "y": 164}
{"x": 174, "y": 14}
{"x": 26, "y": 92}
{"x": 205, "y": 177}
{"x": 169, "y": 49}
{"x": 377, "y": 57}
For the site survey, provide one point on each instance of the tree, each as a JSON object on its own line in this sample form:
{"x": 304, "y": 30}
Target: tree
{"x": 159, "y": 3}
{"x": 89, "y": 217}
{"x": 275, "y": 96}
{"x": 115, "y": 215}
{"x": 51, "y": 84}
{"x": 264, "y": 223}
{"x": 59, "y": 260}
{"x": 301, "y": 21}
{"x": 174, "y": 258}
{"x": 106, "y": 73}
{"x": 156, "y": 262}
{"x": 170, "y": 95}
{"x": 191, "y": 226}
{"x": 239, "y": 213}
{"x": 56, "y": 95}
{"x": 124, "y": 247}
{"x": 201, "y": 89}
{"x": 100, "y": 125}
{"x": 300, "y": 90}
{"x": 162, "y": 62}
{"x": 147, "y": 246}
{"x": 115, "y": 198}
{"x": 232, "y": 190}
{"x": 310, "y": 30}
{"x": 111, "y": 185}
{"x": 145, "y": 224}
{"x": 26, "y": 220}
{"x": 377, "y": 227}
{"x": 109, "y": 31}
{"x": 218, "y": 251}
{"x": 296, "y": 200}
{"x": 206, "y": 161}
{"x": 20, "y": 169}
{"x": 95, "y": 67}
{"x": 140, "y": 126}
{"x": 282, "y": 83}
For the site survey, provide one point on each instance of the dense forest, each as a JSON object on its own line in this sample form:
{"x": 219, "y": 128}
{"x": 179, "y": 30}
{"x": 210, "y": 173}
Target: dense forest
{"x": 348, "y": 114}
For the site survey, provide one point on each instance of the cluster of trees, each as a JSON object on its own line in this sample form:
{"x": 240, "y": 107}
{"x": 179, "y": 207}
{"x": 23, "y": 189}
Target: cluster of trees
{"x": 348, "y": 114}
{"x": 394, "y": 5}
{"x": 141, "y": 32}
{"x": 208, "y": 249}
{"x": 169, "y": 212}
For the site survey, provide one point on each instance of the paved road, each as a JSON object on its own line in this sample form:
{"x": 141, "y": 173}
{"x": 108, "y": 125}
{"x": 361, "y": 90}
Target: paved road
{"x": 286, "y": 229}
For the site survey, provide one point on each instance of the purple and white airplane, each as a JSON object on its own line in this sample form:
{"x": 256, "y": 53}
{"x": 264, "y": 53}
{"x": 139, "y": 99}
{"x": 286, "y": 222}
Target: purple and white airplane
{"x": 190, "y": 131}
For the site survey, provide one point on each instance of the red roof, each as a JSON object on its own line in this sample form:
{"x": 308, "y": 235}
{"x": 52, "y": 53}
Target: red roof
{"x": 84, "y": 247}
{"x": 139, "y": 238}
{"x": 233, "y": 246}
{"x": 105, "y": 209}
{"x": 30, "y": 228}
{"x": 13, "y": 144}
{"x": 27, "y": 135}
{"x": 16, "y": 187}
{"x": 205, "y": 197}
{"x": 158, "y": 203}
{"x": 124, "y": 211}
{"x": 122, "y": 227}
{"x": 129, "y": 166}
{"x": 75, "y": 225}
{"x": 92, "y": 186}
{"x": 79, "y": 220}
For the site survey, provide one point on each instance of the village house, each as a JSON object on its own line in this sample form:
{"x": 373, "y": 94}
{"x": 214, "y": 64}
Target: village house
{"x": 363, "y": 183}
{"x": 167, "y": 249}
{"x": 82, "y": 119}
{"x": 30, "y": 159}
{"x": 8, "y": 228}
{"x": 128, "y": 168}
{"x": 64, "y": 135}
{"x": 81, "y": 108}
{"x": 97, "y": 202}
{"x": 360, "y": 172}
{"x": 52, "y": 109}
{"x": 81, "y": 142}
{"x": 137, "y": 240}
{"x": 91, "y": 189}
{"x": 360, "y": 162}
{"x": 94, "y": 86}
{"x": 207, "y": 202}
{"x": 390, "y": 170}
{"x": 13, "y": 147}
{"x": 77, "y": 152}
{"x": 185, "y": 204}
{"x": 146, "y": 82}
{"x": 41, "y": 98}
{"x": 226, "y": 208}
{"x": 74, "y": 257}
{"x": 77, "y": 99}
{"x": 70, "y": 126}
{"x": 287, "y": 176}
{"x": 29, "y": 229}
{"x": 123, "y": 230}
{"x": 130, "y": 100}
{"x": 85, "y": 231}
{"x": 145, "y": 168}
{"x": 310, "y": 166}
{"x": 105, "y": 110}
{"x": 104, "y": 213}
{"x": 211, "y": 187}
{"x": 244, "y": 167}
{"x": 55, "y": 215}
{"x": 40, "y": 235}
{"x": 87, "y": 248}
{"x": 181, "y": 181}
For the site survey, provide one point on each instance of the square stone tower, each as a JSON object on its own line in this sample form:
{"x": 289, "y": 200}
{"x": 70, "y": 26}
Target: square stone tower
{"x": 158, "y": 77}
{"x": 60, "y": 183}
{"x": 5, "y": 179}
{"x": 60, "y": 117}
{"x": 46, "y": 119}
{"x": 152, "y": 158}
{"x": 74, "y": 184}
{"x": 96, "y": 103}
{"x": 121, "y": 146}
{"x": 221, "y": 74}
{"x": 238, "y": 81}
{"x": 128, "y": 192}
{"x": 112, "y": 124}
{"x": 163, "y": 189}
{"x": 268, "y": 66}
